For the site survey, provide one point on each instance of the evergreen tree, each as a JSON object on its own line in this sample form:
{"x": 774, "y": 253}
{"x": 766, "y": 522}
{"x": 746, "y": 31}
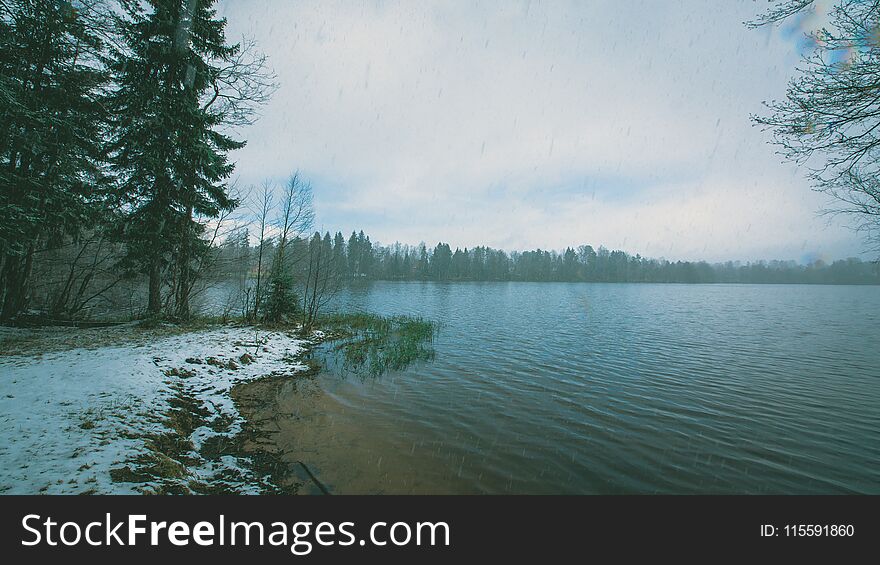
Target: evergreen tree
{"x": 441, "y": 261}
{"x": 354, "y": 252}
{"x": 339, "y": 258}
{"x": 422, "y": 267}
{"x": 167, "y": 148}
{"x": 51, "y": 124}
{"x": 569, "y": 265}
{"x": 366, "y": 254}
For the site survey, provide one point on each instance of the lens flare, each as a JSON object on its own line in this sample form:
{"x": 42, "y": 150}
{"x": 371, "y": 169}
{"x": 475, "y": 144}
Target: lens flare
{"x": 808, "y": 32}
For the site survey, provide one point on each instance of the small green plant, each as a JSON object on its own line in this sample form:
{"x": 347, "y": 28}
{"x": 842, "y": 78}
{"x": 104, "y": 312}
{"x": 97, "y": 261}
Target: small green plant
{"x": 282, "y": 303}
{"x": 376, "y": 344}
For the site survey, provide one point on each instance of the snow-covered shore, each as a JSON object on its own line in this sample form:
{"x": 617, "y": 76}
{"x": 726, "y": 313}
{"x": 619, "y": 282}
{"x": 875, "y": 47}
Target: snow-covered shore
{"x": 68, "y": 417}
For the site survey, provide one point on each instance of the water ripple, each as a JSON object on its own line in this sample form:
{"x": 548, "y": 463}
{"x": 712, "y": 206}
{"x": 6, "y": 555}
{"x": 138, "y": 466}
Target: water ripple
{"x": 586, "y": 388}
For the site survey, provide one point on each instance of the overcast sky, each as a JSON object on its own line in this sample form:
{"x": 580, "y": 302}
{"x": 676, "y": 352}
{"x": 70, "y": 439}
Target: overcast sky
{"x": 536, "y": 124}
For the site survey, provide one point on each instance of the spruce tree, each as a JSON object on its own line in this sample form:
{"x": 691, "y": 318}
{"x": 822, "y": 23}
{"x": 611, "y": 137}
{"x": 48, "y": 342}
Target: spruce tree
{"x": 51, "y": 125}
{"x": 167, "y": 146}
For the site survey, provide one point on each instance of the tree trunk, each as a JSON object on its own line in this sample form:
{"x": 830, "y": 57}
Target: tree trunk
{"x": 154, "y": 301}
{"x": 184, "y": 286}
{"x": 11, "y": 289}
{"x": 16, "y": 274}
{"x": 259, "y": 280}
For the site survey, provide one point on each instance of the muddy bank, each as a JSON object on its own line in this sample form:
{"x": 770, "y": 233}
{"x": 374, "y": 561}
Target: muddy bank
{"x": 203, "y": 447}
{"x": 263, "y": 438}
{"x": 332, "y": 443}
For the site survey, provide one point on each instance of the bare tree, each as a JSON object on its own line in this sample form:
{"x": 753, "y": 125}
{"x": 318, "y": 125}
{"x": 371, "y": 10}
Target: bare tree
{"x": 322, "y": 281}
{"x": 830, "y": 118}
{"x": 71, "y": 278}
{"x": 297, "y": 215}
{"x": 264, "y": 209}
{"x": 295, "y": 218}
{"x": 781, "y": 11}
{"x": 241, "y": 85}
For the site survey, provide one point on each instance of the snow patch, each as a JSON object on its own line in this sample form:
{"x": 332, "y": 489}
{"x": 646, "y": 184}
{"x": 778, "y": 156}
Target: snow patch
{"x": 68, "y": 417}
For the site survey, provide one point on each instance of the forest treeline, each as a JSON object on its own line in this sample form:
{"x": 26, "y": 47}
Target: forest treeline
{"x": 357, "y": 257}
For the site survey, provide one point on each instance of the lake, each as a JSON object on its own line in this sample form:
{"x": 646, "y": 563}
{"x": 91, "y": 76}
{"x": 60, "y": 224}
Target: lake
{"x": 607, "y": 388}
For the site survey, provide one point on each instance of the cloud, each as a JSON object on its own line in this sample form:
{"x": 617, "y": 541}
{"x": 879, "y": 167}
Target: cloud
{"x": 524, "y": 124}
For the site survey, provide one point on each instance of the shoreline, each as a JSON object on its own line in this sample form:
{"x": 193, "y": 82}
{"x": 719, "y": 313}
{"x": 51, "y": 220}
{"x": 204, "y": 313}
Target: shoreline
{"x": 206, "y": 408}
{"x": 257, "y": 402}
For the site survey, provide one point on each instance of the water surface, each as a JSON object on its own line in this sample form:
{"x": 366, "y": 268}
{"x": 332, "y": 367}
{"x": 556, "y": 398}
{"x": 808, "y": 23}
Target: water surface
{"x": 609, "y": 388}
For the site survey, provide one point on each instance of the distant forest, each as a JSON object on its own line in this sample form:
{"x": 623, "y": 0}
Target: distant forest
{"x": 357, "y": 257}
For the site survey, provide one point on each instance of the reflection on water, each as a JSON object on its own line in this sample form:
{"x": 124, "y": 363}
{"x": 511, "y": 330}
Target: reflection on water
{"x": 590, "y": 388}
